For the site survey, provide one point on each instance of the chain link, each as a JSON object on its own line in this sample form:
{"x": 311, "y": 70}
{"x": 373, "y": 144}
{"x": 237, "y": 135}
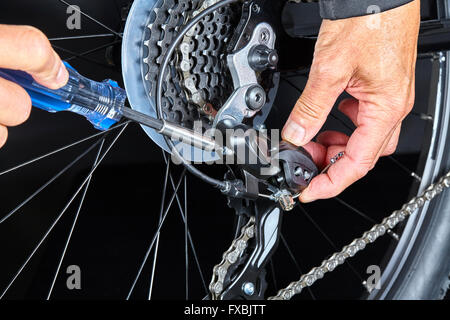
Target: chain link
{"x": 368, "y": 237}
{"x": 230, "y": 258}
{"x": 202, "y": 66}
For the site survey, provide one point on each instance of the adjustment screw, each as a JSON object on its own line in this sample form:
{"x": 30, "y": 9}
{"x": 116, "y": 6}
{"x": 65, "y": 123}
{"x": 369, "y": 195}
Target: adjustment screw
{"x": 255, "y": 97}
{"x": 248, "y": 288}
{"x": 261, "y": 58}
{"x": 256, "y": 8}
{"x": 298, "y": 171}
{"x": 307, "y": 175}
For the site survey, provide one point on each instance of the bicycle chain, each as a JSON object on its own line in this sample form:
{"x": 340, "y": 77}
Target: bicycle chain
{"x": 230, "y": 257}
{"x": 368, "y": 237}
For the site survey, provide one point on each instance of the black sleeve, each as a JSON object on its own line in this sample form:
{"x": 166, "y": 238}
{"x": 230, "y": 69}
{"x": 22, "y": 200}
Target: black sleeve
{"x": 341, "y": 9}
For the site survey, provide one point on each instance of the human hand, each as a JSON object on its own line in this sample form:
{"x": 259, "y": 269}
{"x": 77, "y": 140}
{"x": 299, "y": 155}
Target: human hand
{"x": 27, "y": 49}
{"x": 373, "y": 59}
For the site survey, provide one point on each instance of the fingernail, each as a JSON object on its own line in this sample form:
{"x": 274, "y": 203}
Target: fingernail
{"x": 294, "y": 133}
{"x": 63, "y": 76}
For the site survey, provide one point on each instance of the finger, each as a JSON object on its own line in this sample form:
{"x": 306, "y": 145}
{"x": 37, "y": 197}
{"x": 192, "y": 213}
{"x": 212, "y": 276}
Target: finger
{"x": 389, "y": 145}
{"x": 362, "y": 150}
{"x": 3, "y": 135}
{"x": 318, "y": 153}
{"x": 15, "y": 104}
{"x": 322, "y": 155}
{"x": 28, "y": 49}
{"x": 350, "y": 107}
{"x": 329, "y": 138}
{"x": 393, "y": 142}
{"x": 324, "y": 86}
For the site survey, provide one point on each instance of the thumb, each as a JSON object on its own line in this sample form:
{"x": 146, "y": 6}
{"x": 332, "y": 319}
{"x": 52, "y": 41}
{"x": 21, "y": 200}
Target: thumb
{"x": 314, "y": 105}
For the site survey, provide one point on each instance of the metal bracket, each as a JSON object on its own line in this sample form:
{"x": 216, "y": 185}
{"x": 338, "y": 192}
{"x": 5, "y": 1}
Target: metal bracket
{"x": 245, "y": 78}
{"x": 268, "y": 217}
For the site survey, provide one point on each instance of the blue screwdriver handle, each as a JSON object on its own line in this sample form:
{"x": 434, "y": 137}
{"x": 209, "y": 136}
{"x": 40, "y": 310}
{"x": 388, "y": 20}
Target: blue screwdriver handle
{"x": 99, "y": 102}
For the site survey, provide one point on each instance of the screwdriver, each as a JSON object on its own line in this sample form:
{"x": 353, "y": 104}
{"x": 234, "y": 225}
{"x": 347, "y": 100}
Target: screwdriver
{"x": 101, "y": 103}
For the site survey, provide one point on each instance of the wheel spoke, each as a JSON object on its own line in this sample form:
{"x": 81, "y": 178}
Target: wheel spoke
{"x": 91, "y": 18}
{"x": 329, "y": 241}
{"x": 194, "y": 251}
{"x": 88, "y": 36}
{"x": 404, "y": 168}
{"x": 186, "y": 252}
{"x": 422, "y": 116}
{"x": 61, "y": 149}
{"x": 274, "y": 278}
{"x": 296, "y": 73}
{"x": 155, "y": 255}
{"x": 45, "y": 185}
{"x": 74, "y": 224}
{"x": 152, "y": 243}
{"x": 80, "y": 56}
{"x": 292, "y": 84}
{"x": 85, "y": 53}
{"x": 365, "y": 216}
{"x": 294, "y": 260}
{"x": 61, "y": 214}
{"x": 362, "y": 214}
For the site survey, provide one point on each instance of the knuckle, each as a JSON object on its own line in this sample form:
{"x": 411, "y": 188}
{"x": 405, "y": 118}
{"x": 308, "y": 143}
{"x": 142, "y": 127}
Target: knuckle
{"x": 15, "y": 104}
{"x": 405, "y": 99}
{"x": 329, "y": 70}
{"x": 22, "y": 109}
{"x": 409, "y": 105}
{"x": 39, "y": 47}
{"x": 24, "y": 113}
{"x": 390, "y": 150}
{"x": 362, "y": 170}
{"x": 404, "y": 107}
{"x": 361, "y": 167}
{"x": 307, "y": 108}
{"x": 333, "y": 194}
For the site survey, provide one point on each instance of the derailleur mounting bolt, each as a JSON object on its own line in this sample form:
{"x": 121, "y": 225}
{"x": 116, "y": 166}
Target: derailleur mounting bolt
{"x": 255, "y": 97}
